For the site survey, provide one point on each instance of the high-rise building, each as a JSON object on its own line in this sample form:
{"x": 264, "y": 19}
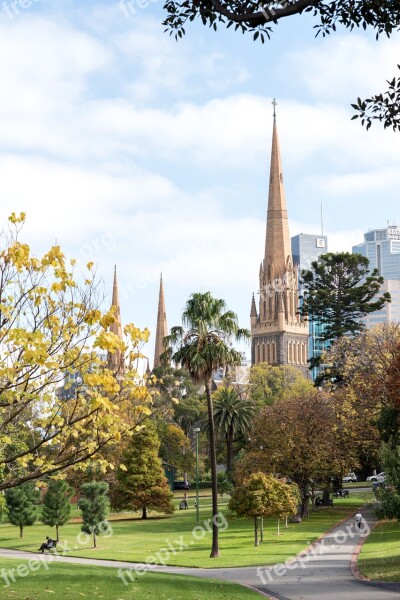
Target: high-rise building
{"x": 382, "y": 248}
{"x": 307, "y": 248}
{"x": 162, "y": 328}
{"x": 279, "y": 334}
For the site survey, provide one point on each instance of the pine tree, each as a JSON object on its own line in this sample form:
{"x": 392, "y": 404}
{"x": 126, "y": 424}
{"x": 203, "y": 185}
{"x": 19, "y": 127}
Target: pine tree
{"x": 57, "y": 505}
{"x": 143, "y": 486}
{"x": 95, "y": 507}
{"x": 22, "y": 505}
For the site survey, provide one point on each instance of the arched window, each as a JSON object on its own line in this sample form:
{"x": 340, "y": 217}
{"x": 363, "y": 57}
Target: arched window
{"x": 273, "y": 353}
{"x": 289, "y": 352}
{"x": 263, "y": 352}
{"x": 258, "y": 354}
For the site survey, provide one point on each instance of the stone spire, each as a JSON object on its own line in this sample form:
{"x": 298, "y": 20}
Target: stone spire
{"x": 115, "y": 360}
{"x": 253, "y": 311}
{"x": 162, "y": 328}
{"x": 277, "y": 242}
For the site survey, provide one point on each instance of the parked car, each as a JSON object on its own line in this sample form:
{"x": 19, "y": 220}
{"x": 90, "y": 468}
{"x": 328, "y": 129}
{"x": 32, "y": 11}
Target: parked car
{"x": 380, "y": 478}
{"x": 181, "y": 485}
{"x": 350, "y": 477}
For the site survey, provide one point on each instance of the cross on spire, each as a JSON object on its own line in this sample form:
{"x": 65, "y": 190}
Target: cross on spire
{"x": 275, "y": 104}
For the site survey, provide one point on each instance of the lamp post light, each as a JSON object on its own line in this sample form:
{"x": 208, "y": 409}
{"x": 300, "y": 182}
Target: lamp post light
{"x": 196, "y": 431}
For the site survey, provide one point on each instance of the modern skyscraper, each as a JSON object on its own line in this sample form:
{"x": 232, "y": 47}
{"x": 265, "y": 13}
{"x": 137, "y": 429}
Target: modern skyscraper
{"x": 306, "y": 248}
{"x": 382, "y": 248}
{"x": 162, "y": 328}
{"x": 279, "y": 335}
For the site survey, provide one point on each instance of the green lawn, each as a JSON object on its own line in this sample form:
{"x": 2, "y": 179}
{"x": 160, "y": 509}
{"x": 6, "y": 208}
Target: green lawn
{"x": 137, "y": 540}
{"x": 380, "y": 555}
{"x": 70, "y": 582}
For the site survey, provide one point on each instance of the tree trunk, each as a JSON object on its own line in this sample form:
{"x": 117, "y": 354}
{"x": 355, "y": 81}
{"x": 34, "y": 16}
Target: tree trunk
{"x": 279, "y": 530}
{"x": 21, "y": 531}
{"x": 286, "y": 525}
{"x": 144, "y": 512}
{"x": 256, "y": 542}
{"x": 213, "y": 461}
{"x": 94, "y": 539}
{"x": 305, "y": 497}
{"x": 262, "y": 529}
{"x": 229, "y": 451}
{"x": 57, "y": 536}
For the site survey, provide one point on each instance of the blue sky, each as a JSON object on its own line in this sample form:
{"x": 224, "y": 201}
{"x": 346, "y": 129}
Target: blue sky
{"x": 129, "y": 148}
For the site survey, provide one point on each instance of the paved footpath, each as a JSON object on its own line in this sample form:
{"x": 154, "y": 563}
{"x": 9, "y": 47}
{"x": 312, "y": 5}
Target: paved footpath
{"x": 322, "y": 574}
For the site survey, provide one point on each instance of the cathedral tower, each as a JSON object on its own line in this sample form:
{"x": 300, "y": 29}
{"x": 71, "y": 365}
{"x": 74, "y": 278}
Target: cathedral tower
{"x": 279, "y": 336}
{"x": 162, "y": 328}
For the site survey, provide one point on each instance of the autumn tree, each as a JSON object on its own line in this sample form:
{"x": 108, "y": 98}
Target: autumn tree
{"x": 141, "y": 483}
{"x": 57, "y": 504}
{"x": 22, "y": 505}
{"x": 303, "y": 438}
{"x": 95, "y": 507}
{"x": 176, "y": 447}
{"x": 260, "y": 19}
{"x": 52, "y": 329}
{"x": 260, "y": 496}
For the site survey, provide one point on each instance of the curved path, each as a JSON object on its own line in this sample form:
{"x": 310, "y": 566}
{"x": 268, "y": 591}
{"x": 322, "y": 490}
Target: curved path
{"x": 322, "y": 573}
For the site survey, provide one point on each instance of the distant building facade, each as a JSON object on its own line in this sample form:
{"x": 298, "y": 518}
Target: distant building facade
{"x": 307, "y": 248}
{"x": 382, "y": 248}
{"x": 279, "y": 335}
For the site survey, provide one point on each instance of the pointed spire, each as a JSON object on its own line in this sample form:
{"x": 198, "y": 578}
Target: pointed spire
{"x": 277, "y": 242}
{"x": 162, "y": 328}
{"x": 116, "y": 359}
{"x": 253, "y": 312}
{"x": 117, "y": 326}
{"x": 148, "y": 370}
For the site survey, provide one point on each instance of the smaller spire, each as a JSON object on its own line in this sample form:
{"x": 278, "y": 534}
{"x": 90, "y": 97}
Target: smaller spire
{"x": 162, "y": 328}
{"x": 148, "y": 371}
{"x": 253, "y": 312}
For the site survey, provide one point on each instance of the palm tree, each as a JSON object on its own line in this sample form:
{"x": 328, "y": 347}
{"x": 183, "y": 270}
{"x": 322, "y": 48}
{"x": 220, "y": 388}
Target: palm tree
{"x": 203, "y": 345}
{"x": 232, "y": 416}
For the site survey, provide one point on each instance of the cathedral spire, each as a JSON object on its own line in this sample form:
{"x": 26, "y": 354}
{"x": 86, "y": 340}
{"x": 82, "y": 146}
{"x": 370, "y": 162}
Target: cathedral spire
{"x": 115, "y": 360}
{"x": 162, "y": 328}
{"x": 277, "y": 242}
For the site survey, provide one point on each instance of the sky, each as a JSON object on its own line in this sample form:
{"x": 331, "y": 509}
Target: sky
{"x": 128, "y": 148}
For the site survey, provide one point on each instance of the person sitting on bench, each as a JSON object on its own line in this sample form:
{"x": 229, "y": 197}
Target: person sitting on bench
{"x": 49, "y": 543}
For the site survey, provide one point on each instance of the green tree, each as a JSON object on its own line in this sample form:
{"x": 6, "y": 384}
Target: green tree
{"x": 57, "y": 504}
{"x": 224, "y": 484}
{"x": 259, "y": 18}
{"x": 203, "y": 345}
{"x": 175, "y": 447}
{"x": 339, "y": 290}
{"x": 268, "y": 384}
{"x": 22, "y": 505}
{"x": 261, "y": 496}
{"x": 141, "y": 483}
{"x": 233, "y": 416}
{"x": 95, "y": 507}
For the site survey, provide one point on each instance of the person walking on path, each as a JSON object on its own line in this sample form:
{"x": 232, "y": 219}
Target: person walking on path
{"x": 358, "y": 519}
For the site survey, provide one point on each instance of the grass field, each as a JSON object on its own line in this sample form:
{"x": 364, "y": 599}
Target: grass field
{"x": 141, "y": 541}
{"x": 70, "y": 582}
{"x": 380, "y": 555}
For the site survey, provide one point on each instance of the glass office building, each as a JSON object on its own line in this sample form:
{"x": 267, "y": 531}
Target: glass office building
{"x": 382, "y": 248}
{"x": 306, "y": 248}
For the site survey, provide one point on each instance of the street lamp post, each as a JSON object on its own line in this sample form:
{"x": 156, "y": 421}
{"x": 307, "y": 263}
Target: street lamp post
{"x": 196, "y": 431}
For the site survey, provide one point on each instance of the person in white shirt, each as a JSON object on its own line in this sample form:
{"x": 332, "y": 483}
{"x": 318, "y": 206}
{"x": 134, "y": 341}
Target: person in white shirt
{"x": 358, "y": 519}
